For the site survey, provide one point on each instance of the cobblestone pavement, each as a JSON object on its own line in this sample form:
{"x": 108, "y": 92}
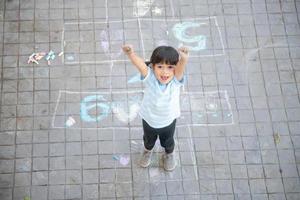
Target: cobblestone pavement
{"x": 69, "y": 123}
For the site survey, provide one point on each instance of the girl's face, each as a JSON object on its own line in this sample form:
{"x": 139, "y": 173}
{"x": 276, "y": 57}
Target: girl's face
{"x": 164, "y": 72}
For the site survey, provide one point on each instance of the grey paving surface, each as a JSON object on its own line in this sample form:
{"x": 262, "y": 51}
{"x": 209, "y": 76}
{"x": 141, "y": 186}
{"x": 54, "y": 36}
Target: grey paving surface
{"x": 239, "y": 133}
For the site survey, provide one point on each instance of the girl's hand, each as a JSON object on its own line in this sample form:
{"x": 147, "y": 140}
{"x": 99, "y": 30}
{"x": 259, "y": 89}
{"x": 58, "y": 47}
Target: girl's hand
{"x": 135, "y": 59}
{"x": 128, "y": 49}
{"x": 179, "y": 69}
{"x": 183, "y": 52}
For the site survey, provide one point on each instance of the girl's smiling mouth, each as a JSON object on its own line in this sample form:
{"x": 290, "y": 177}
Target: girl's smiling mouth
{"x": 164, "y": 78}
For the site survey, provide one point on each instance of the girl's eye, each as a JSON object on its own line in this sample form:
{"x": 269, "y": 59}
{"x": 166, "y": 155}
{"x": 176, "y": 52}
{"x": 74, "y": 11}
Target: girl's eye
{"x": 159, "y": 66}
{"x": 170, "y": 67}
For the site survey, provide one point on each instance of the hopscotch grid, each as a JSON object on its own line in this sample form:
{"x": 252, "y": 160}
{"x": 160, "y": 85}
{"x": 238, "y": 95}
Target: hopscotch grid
{"x": 141, "y": 37}
{"x": 194, "y": 160}
{"x": 220, "y": 34}
{"x": 106, "y": 10}
{"x": 145, "y": 19}
{"x": 155, "y": 176}
{"x": 104, "y": 22}
{"x": 63, "y": 44}
{"x": 193, "y": 19}
{"x": 172, "y": 8}
{"x": 224, "y": 92}
{"x": 56, "y": 107}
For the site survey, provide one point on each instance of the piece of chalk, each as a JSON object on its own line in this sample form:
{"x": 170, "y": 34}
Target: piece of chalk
{"x": 115, "y": 157}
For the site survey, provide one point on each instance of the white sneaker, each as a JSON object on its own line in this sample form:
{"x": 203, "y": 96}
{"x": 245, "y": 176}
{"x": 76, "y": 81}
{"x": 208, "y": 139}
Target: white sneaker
{"x": 169, "y": 161}
{"x": 145, "y": 159}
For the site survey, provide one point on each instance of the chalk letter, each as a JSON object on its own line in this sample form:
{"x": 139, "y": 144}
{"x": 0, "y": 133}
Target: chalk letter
{"x": 181, "y": 33}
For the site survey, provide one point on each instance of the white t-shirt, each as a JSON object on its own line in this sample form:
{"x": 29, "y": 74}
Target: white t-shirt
{"x": 160, "y": 106}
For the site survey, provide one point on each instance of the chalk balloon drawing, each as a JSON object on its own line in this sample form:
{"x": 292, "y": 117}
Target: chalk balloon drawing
{"x": 180, "y": 31}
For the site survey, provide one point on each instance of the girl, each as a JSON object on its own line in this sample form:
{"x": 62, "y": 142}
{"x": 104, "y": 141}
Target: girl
{"x": 163, "y": 77}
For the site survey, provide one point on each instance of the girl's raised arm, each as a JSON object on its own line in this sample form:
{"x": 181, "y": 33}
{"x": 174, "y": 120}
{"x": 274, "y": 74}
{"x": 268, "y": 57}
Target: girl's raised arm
{"x": 179, "y": 69}
{"x": 136, "y": 60}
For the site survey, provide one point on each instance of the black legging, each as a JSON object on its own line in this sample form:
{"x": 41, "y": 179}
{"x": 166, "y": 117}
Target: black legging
{"x": 165, "y": 134}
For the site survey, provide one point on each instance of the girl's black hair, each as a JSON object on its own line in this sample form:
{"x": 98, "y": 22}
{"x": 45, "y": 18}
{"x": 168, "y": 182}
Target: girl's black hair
{"x": 164, "y": 54}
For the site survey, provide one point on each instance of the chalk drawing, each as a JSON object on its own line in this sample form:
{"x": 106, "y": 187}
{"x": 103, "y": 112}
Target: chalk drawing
{"x": 70, "y": 122}
{"x": 111, "y": 42}
{"x": 193, "y": 32}
{"x": 211, "y": 103}
{"x": 70, "y": 57}
{"x": 156, "y": 174}
{"x": 141, "y": 7}
{"x": 94, "y": 107}
{"x": 127, "y": 110}
{"x": 116, "y": 157}
{"x": 181, "y": 33}
{"x": 106, "y": 10}
{"x": 104, "y": 41}
{"x": 211, "y": 106}
{"x": 172, "y": 8}
{"x": 208, "y": 108}
{"x": 108, "y": 42}
{"x": 133, "y": 142}
{"x": 124, "y": 116}
{"x": 156, "y": 11}
{"x": 124, "y": 160}
{"x": 202, "y": 35}
{"x": 92, "y": 100}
